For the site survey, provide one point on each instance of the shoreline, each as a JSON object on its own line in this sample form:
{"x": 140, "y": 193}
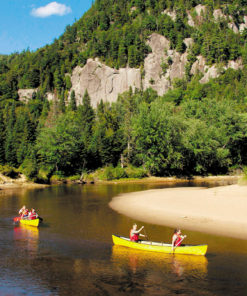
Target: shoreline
{"x": 172, "y": 180}
{"x": 23, "y": 183}
{"x": 8, "y": 183}
{"x": 26, "y": 185}
{"x": 217, "y": 210}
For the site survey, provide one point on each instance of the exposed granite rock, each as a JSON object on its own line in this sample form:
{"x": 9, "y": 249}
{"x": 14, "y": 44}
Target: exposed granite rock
{"x": 103, "y": 82}
{"x": 188, "y": 42}
{"x": 190, "y": 20}
{"x": 106, "y": 83}
{"x": 200, "y": 9}
{"x": 50, "y": 96}
{"x": 172, "y": 14}
{"x": 26, "y": 94}
{"x": 237, "y": 64}
{"x": 214, "y": 71}
{"x": 233, "y": 27}
{"x": 218, "y": 15}
{"x": 154, "y": 76}
{"x": 178, "y": 66}
{"x": 152, "y": 64}
{"x": 243, "y": 25}
{"x": 199, "y": 65}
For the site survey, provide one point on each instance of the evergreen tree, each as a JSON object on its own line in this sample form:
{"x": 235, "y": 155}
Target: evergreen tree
{"x": 62, "y": 106}
{"x": 72, "y": 103}
{"x": 10, "y": 142}
{"x": 2, "y": 138}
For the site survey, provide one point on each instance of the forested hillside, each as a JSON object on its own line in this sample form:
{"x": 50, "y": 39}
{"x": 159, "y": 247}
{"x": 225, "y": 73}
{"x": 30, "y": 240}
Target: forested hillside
{"x": 192, "y": 129}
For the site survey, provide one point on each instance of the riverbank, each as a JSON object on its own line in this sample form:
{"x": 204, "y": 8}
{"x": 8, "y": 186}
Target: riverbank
{"x": 7, "y": 183}
{"x": 218, "y": 210}
{"x": 10, "y": 183}
{"x": 221, "y": 180}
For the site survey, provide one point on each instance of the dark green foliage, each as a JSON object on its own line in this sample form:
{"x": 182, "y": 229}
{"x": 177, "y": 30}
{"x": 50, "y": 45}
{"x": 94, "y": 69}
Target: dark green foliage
{"x": 10, "y": 140}
{"x": 2, "y": 139}
{"x": 72, "y": 103}
{"x": 9, "y": 171}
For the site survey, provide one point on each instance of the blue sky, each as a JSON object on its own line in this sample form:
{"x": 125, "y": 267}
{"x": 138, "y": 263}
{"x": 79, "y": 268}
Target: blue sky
{"x": 35, "y": 23}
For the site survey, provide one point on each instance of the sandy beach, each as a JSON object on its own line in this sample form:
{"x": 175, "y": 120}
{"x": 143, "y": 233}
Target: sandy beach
{"x": 218, "y": 210}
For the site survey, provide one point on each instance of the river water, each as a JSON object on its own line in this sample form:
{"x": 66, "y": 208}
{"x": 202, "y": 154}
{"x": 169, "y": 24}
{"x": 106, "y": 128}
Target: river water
{"x": 71, "y": 253}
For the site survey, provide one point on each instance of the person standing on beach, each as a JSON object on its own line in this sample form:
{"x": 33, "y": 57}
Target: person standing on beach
{"x": 177, "y": 238}
{"x": 134, "y": 233}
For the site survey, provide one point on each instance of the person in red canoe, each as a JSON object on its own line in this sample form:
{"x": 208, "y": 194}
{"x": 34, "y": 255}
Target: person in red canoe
{"x": 32, "y": 214}
{"x": 134, "y": 233}
{"x": 177, "y": 238}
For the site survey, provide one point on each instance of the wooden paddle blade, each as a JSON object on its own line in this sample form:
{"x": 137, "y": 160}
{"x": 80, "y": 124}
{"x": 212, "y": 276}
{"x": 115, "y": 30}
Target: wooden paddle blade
{"x": 40, "y": 219}
{"x": 17, "y": 219}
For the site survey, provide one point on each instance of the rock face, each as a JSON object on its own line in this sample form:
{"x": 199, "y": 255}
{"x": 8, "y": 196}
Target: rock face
{"x": 103, "y": 82}
{"x": 172, "y": 14}
{"x": 152, "y": 64}
{"x": 26, "y": 94}
{"x": 161, "y": 66}
{"x": 200, "y": 12}
{"x": 200, "y": 66}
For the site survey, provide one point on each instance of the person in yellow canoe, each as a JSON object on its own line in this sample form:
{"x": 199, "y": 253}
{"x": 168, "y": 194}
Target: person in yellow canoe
{"x": 32, "y": 214}
{"x": 23, "y": 212}
{"x": 177, "y": 238}
{"x": 134, "y": 233}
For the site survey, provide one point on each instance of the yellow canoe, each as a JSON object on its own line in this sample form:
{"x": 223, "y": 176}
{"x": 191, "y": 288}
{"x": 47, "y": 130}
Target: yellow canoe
{"x": 160, "y": 247}
{"x": 34, "y": 222}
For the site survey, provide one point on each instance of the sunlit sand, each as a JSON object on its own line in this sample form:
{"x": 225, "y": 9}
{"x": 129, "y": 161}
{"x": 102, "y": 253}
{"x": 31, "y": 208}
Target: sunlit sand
{"x": 218, "y": 210}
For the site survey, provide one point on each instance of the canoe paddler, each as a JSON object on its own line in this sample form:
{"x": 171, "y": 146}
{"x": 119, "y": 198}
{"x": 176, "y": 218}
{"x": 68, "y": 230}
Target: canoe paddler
{"x": 32, "y": 214}
{"x": 177, "y": 238}
{"x": 23, "y": 212}
{"x": 134, "y": 233}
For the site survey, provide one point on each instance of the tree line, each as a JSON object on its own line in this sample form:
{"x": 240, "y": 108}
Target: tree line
{"x": 194, "y": 129}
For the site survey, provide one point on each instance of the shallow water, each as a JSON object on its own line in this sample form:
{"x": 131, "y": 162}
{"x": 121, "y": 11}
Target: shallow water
{"x": 72, "y": 252}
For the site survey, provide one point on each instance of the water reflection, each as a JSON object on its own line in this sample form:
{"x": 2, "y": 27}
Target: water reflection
{"x": 181, "y": 265}
{"x": 27, "y": 237}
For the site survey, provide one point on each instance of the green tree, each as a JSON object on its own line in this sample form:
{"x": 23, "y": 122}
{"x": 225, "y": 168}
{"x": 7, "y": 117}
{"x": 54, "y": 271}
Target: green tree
{"x": 10, "y": 142}
{"x": 59, "y": 146}
{"x": 2, "y": 138}
{"x": 156, "y": 133}
{"x": 72, "y": 103}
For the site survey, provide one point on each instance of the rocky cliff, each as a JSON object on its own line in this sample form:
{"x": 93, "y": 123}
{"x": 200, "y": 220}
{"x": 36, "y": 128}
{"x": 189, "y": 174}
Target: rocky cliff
{"x": 161, "y": 66}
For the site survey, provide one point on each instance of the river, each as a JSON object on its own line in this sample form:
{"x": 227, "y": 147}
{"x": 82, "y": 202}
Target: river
{"x": 71, "y": 253}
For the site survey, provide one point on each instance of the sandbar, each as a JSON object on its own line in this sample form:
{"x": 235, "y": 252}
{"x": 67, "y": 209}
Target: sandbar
{"x": 218, "y": 210}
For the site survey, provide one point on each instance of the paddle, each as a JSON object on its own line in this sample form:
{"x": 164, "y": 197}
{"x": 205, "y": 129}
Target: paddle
{"x": 40, "y": 219}
{"x": 17, "y": 219}
{"x": 145, "y": 233}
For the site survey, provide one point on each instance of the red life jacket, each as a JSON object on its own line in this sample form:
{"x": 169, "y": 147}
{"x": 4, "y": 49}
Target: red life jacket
{"x": 134, "y": 237}
{"x": 178, "y": 241}
{"x": 33, "y": 216}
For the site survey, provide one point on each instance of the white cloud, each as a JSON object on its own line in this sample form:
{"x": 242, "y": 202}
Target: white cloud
{"x": 53, "y": 8}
